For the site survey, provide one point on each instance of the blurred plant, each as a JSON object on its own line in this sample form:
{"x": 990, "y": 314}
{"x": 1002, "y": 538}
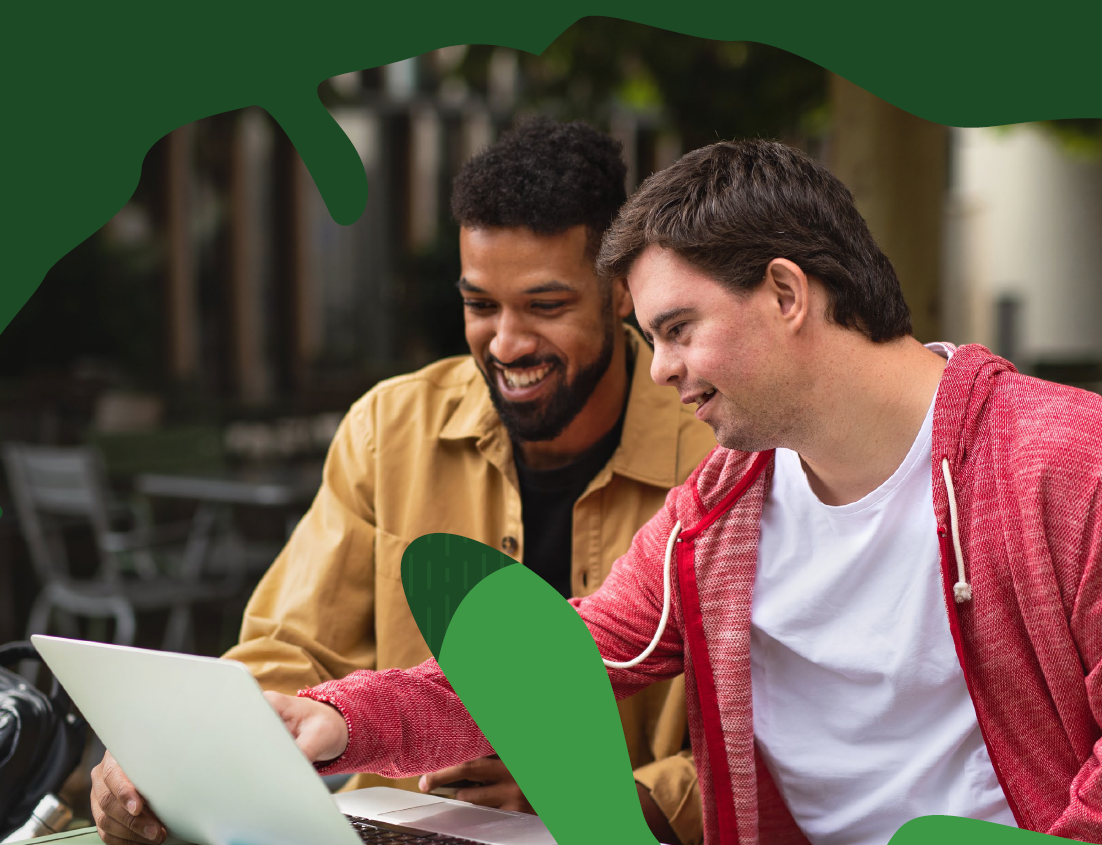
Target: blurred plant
{"x": 1080, "y": 137}
{"x": 704, "y": 90}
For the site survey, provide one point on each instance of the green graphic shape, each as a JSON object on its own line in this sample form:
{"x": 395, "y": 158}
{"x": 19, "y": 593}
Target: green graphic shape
{"x": 951, "y": 830}
{"x": 90, "y": 87}
{"x": 526, "y": 668}
{"x": 438, "y": 571}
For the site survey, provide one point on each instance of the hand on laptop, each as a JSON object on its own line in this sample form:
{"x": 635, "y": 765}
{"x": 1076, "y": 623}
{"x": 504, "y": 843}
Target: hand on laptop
{"x": 121, "y": 814}
{"x": 498, "y": 788}
{"x": 319, "y": 729}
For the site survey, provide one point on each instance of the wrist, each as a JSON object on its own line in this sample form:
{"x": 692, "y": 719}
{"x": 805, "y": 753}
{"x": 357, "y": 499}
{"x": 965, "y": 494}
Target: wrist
{"x": 654, "y": 817}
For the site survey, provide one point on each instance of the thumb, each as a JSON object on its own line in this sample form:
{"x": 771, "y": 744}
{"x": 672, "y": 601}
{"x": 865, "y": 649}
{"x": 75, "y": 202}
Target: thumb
{"x": 319, "y": 729}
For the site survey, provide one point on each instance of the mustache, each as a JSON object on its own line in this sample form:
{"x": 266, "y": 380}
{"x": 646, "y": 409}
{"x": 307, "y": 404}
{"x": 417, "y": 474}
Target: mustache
{"x": 525, "y": 362}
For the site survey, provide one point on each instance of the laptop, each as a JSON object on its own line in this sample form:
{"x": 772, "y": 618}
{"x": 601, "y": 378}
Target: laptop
{"x": 216, "y": 764}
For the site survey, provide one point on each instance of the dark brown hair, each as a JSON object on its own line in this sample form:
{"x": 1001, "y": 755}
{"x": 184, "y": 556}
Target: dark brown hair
{"x": 730, "y": 208}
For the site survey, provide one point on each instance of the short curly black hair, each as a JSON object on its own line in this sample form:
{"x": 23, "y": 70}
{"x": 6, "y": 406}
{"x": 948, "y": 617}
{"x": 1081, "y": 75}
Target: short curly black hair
{"x": 546, "y": 177}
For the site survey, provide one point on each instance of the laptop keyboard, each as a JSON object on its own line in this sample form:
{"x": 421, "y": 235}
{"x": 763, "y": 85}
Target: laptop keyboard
{"x": 381, "y": 833}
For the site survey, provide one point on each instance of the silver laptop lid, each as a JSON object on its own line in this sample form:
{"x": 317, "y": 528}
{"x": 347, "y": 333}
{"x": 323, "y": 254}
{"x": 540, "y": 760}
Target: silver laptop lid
{"x": 200, "y": 742}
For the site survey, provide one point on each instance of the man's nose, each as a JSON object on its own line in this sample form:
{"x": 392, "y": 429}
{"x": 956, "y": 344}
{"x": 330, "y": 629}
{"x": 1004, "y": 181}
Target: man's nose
{"x": 513, "y": 338}
{"x": 664, "y": 368}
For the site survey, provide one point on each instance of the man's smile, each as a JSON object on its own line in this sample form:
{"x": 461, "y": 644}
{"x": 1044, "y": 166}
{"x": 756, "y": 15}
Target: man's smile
{"x": 521, "y": 384}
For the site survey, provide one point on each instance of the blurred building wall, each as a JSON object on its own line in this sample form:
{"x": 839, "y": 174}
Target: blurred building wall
{"x": 895, "y": 164}
{"x": 1023, "y": 263}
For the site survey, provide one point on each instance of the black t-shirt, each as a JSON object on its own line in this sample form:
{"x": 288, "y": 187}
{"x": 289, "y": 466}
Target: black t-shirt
{"x": 547, "y": 500}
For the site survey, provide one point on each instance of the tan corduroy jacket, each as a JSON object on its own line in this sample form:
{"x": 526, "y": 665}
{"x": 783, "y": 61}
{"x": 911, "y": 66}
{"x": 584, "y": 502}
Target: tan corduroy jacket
{"x": 424, "y": 453}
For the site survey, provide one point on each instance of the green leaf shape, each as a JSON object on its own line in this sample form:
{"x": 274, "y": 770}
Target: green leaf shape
{"x": 527, "y": 670}
{"x": 88, "y": 92}
{"x": 951, "y": 830}
{"x": 438, "y": 571}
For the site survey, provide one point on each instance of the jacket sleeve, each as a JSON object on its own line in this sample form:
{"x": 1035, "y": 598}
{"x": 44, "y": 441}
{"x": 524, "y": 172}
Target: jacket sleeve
{"x": 405, "y": 722}
{"x": 672, "y": 782}
{"x": 1082, "y": 819}
{"x": 311, "y": 618}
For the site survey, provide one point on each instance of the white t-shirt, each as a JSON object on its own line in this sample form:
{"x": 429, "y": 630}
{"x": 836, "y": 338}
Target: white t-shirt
{"x": 860, "y": 706}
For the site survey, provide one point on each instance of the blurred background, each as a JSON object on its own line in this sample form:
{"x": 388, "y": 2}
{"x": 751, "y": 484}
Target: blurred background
{"x": 202, "y": 346}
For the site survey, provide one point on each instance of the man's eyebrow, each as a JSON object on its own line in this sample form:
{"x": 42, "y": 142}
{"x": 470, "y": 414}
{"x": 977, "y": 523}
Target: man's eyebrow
{"x": 546, "y": 287}
{"x": 665, "y": 316}
{"x": 550, "y": 287}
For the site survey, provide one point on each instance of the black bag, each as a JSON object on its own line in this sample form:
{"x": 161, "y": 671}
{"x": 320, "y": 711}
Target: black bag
{"x": 41, "y": 742}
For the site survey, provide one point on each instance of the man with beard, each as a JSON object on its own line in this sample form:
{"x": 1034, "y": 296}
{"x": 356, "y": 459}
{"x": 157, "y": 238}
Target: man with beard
{"x": 549, "y": 441}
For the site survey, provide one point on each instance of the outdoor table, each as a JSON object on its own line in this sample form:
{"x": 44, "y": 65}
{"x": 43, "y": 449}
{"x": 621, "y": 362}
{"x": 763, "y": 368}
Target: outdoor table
{"x": 280, "y": 486}
{"x": 259, "y": 486}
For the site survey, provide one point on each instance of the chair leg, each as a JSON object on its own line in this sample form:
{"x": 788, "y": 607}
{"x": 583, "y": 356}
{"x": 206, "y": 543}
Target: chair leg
{"x": 39, "y": 620}
{"x": 179, "y": 628}
{"x": 126, "y": 623}
{"x": 38, "y": 623}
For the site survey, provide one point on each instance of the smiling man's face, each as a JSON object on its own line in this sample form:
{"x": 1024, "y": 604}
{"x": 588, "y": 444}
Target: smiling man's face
{"x": 722, "y": 351}
{"x": 539, "y": 324}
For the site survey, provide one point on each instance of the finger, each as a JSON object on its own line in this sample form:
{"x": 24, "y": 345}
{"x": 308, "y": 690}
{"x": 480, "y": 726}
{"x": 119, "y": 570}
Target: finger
{"x": 277, "y": 700}
{"x": 145, "y": 826}
{"x": 449, "y": 775}
{"x": 119, "y": 785}
{"x": 488, "y": 770}
{"x": 112, "y": 829}
{"x": 310, "y": 742}
{"x": 506, "y": 795}
{"x": 126, "y": 839}
{"x": 486, "y": 796}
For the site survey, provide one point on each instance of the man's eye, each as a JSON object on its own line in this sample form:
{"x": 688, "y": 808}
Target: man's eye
{"x": 675, "y": 331}
{"x": 542, "y": 305}
{"x": 477, "y": 304}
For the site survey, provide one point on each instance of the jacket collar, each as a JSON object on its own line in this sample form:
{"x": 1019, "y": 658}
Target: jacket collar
{"x": 962, "y": 399}
{"x": 648, "y": 447}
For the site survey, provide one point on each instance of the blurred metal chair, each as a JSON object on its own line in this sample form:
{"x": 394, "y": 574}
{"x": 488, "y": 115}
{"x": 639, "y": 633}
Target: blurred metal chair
{"x": 54, "y": 487}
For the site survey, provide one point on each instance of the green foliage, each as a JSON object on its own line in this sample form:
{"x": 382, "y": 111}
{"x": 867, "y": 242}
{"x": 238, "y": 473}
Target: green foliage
{"x": 1080, "y": 137}
{"x": 704, "y": 90}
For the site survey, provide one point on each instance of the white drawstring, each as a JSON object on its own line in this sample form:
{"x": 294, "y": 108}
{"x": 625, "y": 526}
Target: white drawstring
{"x": 962, "y": 590}
{"x": 611, "y": 664}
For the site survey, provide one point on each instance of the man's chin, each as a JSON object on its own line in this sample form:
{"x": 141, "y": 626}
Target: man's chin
{"x": 526, "y": 422}
{"x": 735, "y": 440}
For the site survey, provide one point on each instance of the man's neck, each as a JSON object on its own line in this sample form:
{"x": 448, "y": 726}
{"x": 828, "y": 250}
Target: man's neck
{"x": 596, "y": 419}
{"x": 871, "y": 403}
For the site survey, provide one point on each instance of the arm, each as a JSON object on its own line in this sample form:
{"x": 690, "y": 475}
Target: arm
{"x": 671, "y": 788}
{"x": 1083, "y": 817}
{"x": 311, "y": 618}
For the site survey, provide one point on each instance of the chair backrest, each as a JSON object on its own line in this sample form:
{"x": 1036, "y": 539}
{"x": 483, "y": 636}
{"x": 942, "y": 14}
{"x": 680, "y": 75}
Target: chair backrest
{"x": 51, "y": 485}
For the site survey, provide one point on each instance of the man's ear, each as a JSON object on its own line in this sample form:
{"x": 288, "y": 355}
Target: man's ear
{"x": 788, "y": 287}
{"x": 622, "y": 302}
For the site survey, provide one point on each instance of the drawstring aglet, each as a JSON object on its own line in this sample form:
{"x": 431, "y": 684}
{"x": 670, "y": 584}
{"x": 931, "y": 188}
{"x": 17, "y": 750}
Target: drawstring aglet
{"x": 962, "y": 590}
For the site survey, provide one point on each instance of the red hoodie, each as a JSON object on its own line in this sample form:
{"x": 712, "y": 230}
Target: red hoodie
{"x": 1022, "y": 568}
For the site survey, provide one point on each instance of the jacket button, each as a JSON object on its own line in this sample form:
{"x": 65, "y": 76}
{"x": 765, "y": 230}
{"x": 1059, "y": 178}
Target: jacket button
{"x": 509, "y": 545}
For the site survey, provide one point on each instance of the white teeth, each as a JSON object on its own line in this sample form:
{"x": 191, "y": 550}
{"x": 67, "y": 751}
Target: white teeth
{"x": 524, "y": 378}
